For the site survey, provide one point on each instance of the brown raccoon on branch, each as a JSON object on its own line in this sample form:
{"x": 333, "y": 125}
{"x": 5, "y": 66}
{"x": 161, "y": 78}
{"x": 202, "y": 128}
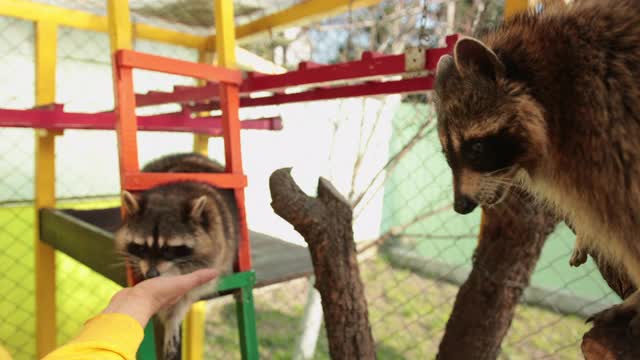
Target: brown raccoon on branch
{"x": 178, "y": 228}
{"x": 551, "y": 102}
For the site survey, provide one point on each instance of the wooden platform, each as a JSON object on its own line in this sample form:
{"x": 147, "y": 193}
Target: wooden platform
{"x": 87, "y": 236}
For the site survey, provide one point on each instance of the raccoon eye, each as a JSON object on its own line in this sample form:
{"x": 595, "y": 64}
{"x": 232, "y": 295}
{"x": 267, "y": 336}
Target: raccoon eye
{"x": 493, "y": 152}
{"x": 136, "y": 250}
{"x": 175, "y": 252}
{"x": 475, "y": 150}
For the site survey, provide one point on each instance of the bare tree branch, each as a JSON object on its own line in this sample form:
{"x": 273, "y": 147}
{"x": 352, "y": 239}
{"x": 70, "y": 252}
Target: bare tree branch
{"x": 336, "y": 128}
{"x": 359, "y": 153}
{"x": 362, "y": 151}
{"x": 394, "y": 161}
{"x": 325, "y": 224}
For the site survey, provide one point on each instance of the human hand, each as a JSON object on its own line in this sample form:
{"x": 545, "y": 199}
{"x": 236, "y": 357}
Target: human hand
{"x": 148, "y": 297}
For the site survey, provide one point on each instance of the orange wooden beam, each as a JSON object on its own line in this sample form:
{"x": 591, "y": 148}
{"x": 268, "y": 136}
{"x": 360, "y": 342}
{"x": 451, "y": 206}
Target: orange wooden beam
{"x": 133, "y": 59}
{"x": 137, "y": 181}
{"x": 230, "y": 105}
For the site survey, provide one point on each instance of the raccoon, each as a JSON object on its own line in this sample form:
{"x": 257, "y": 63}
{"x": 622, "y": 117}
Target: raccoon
{"x": 551, "y": 102}
{"x": 178, "y": 228}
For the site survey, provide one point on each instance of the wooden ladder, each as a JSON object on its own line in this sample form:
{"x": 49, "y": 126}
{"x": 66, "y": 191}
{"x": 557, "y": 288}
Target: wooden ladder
{"x": 132, "y": 179}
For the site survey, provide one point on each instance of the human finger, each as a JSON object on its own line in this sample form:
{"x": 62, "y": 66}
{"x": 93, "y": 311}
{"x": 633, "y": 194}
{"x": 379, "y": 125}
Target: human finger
{"x": 168, "y": 289}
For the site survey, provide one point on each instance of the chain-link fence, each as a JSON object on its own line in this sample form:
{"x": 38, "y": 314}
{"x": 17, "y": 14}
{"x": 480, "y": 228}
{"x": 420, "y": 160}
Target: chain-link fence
{"x": 412, "y": 281}
{"x": 382, "y": 153}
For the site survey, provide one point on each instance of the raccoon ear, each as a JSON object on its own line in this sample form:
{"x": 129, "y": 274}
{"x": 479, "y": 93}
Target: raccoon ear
{"x": 197, "y": 207}
{"x": 130, "y": 203}
{"x": 444, "y": 69}
{"x": 472, "y": 55}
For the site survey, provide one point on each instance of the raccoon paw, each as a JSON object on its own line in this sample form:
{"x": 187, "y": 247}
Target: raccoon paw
{"x": 172, "y": 348}
{"x": 625, "y": 313}
{"x": 172, "y": 352}
{"x": 614, "y": 314}
{"x": 618, "y": 315}
{"x": 578, "y": 257}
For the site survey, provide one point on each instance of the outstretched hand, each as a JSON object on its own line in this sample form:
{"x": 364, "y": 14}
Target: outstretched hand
{"x": 148, "y": 297}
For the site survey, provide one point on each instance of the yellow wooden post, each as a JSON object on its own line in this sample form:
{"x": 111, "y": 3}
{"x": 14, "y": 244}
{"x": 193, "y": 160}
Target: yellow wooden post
{"x": 193, "y": 332}
{"x": 119, "y": 20}
{"x": 225, "y": 34}
{"x": 201, "y": 144}
{"x": 45, "y": 264}
{"x": 193, "y": 341}
{"x": 226, "y": 57}
{"x": 201, "y": 141}
{"x": 512, "y": 7}
{"x": 303, "y": 12}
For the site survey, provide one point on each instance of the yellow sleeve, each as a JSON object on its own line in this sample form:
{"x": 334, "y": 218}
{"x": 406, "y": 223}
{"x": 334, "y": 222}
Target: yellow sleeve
{"x": 105, "y": 337}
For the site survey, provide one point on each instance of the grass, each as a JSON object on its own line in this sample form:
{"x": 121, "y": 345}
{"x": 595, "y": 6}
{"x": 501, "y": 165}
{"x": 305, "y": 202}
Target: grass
{"x": 408, "y": 314}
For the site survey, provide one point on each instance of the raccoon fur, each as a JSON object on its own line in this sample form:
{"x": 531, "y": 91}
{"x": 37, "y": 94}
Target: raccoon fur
{"x": 551, "y": 102}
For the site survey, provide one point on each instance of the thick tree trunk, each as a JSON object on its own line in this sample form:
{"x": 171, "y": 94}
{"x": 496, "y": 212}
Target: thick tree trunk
{"x": 612, "y": 342}
{"x": 325, "y": 223}
{"x": 511, "y": 238}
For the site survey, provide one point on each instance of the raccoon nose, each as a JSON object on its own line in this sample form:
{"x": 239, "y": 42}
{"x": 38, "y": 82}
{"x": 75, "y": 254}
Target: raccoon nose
{"x": 464, "y": 205}
{"x": 153, "y": 272}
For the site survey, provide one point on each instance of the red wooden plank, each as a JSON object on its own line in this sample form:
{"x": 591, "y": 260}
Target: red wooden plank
{"x": 434, "y": 55}
{"x": 251, "y": 74}
{"x": 54, "y": 119}
{"x": 367, "y": 89}
{"x": 138, "y": 60}
{"x": 372, "y": 64}
{"x": 423, "y": 83}
{"x": 182, "y": 94}
{"x": 309, "y": 65}
{"x": 387, "y": 65}
{"x": 136, "y": 181}
{"x": 368, "y": 55}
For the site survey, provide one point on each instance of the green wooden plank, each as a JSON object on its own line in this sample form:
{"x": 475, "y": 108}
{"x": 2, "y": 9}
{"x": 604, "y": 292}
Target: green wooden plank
{"x": 147, "y": 350}
{"x": 88, "y": 244}
{"x": 245, "y": 312}
{"x": 237, "y": 281}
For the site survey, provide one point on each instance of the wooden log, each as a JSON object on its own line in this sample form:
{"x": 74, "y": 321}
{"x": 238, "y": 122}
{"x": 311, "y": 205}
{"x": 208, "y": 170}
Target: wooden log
{"x": 325, "y": 222}
{"x": 511, "y": 239}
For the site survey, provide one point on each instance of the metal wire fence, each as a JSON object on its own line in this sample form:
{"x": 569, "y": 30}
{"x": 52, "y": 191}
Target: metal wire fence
{"x": 381, "y": 152}
{"x": 412, "y": 280}
{"x": 16, "y": 191}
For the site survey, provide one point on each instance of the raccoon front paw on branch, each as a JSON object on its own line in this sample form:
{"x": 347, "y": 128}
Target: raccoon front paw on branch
{"x": 578, "y": 257}
{"x": 580, "y": 252}
{"x": 627, "y": 312}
